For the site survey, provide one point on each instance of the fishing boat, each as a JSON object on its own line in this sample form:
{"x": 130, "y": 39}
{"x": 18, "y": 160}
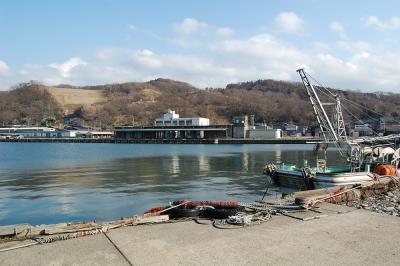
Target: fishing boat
{"x": 367, "y": 158}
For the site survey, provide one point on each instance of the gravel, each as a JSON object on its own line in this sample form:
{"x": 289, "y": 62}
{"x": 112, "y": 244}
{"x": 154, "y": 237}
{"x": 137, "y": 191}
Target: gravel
{"x": 387, "y": 203}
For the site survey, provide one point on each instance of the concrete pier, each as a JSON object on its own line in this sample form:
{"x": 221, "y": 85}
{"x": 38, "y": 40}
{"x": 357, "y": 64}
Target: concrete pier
{"x": 346, "y": 236}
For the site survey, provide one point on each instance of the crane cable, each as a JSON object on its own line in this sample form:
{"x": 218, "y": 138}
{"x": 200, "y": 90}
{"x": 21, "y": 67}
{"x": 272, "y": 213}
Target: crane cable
{"x": 332, "y": 97}
{"x": 359, "y": 106}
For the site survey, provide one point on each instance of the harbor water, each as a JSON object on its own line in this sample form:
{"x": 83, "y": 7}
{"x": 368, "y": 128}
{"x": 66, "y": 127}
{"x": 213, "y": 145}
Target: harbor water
{"x": 43, "y": 183}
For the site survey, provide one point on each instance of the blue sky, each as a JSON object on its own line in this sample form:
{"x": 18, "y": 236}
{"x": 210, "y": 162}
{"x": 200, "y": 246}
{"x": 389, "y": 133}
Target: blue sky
{"x": 346, "y": 44}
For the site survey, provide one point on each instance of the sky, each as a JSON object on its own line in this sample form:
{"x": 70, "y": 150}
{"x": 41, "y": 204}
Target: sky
{"x": 208, "y": 43}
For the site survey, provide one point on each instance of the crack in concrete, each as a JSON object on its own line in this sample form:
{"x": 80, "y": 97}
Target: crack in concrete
{"x": 119, "y": 250}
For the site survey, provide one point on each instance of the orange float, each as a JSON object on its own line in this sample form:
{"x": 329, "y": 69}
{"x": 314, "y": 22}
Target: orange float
{"x": 385, "y": 169}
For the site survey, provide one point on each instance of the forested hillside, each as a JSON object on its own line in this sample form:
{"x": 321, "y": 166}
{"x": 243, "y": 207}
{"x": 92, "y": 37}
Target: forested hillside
{"x": 29, "y": 103}
{"x": 269, "y": 100}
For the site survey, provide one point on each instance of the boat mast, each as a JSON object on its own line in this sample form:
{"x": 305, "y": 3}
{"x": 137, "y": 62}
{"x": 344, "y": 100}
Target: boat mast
{"x": 325, "y": 124}
{"x": 339, "y": 121}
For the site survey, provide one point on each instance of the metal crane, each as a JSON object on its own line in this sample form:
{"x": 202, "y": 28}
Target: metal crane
{"x": 332, "y": 133}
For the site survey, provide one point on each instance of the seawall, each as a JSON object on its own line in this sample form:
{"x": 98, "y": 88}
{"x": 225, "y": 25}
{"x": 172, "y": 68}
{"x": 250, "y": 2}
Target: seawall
{"x": 166, "y": 141}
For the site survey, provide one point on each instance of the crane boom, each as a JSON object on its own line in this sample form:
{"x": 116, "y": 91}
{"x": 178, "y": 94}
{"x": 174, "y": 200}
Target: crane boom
{"x": 325, "y": 124}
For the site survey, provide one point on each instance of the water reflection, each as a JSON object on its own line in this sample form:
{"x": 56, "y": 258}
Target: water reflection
{"x": 278, "y": 156}
{"x": 204, "y": 163}
{"x": 174, "y": 165}
{"x": 116, "y": 186}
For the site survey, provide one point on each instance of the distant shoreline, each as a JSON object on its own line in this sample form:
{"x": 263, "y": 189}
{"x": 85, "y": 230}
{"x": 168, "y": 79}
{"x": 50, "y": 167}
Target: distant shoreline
{"x": 165, "y": 141}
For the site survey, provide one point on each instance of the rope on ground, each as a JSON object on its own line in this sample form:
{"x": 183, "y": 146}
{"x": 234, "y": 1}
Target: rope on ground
{"x": 81, "y": 233}
{"x": 174, "y": 206}
{"x": 263, "y": 213}
{"x": 51, "y": 239}
{"x": 242, "y": 219}
{"x": 17, "y": 247}
{"x": 260, "y": 206}
{"x": 199, "y": 221}
{"x": 395, "y": 180}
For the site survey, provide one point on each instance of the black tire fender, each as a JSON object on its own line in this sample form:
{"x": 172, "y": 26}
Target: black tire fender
{"x": 222, "y": 213}
{"x": 182, "y": 213}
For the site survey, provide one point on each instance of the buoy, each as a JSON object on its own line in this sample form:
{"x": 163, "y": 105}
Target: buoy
{"x": 385, "y": 169}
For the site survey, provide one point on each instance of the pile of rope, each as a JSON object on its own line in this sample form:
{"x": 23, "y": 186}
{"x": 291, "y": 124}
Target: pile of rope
{"x": 259, "y": 212}
{"x": 249, "y": 219}
{"x": 243, "y": 219}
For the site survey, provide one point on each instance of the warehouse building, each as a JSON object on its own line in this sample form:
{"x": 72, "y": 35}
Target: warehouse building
{"x": 173, "y": 132}
{"x": 171, "y": 126}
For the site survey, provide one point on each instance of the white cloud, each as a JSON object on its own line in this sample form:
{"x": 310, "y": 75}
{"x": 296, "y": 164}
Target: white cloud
{"x": 194, "y": 34}
{"x": 66, "y": 67}
{"x": 5, "y": 75}
{"x": 137, "y": 30}
{"x": 224, "y": 32}
{"x": 3, "y": 68}
{"x": 263, "y": 52}
{"x": 392, "y": 23}
{"x": 185, "y": 43}
{"x": 354, "y": 46}
{"x": 224, "y": 58}
{"x": 345, "y": 43}
{"x": 189, "y": 26}
{"x": 234, "y": 60}
{"x": 337, "y": 27}
{"x": 258, "y": 57}
{"x": 145, "y": 64}
{"x": 289, "y": 22}
{"x": 321, "y": 46}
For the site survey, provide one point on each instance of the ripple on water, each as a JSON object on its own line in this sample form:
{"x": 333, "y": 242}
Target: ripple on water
{"x": 47, "y": 183}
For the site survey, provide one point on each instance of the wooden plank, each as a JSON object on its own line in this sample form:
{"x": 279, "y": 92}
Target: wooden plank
{"x": 152, "y": 219}
{"x": 62, "y": 228}
{"x": 307, "y": 217}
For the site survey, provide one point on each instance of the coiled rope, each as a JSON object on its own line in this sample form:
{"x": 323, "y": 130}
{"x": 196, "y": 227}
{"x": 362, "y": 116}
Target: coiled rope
{"x": 242, "y": 219}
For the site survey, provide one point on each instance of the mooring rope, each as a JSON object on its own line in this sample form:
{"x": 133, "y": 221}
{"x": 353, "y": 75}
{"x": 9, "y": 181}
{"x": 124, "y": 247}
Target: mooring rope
{"x": 17, "y": 247}
{"x": 51, "y": 239}
{"x": 270, "y": 207}
{"x": 263, "y": 212}
{"x": 242, "y": 219}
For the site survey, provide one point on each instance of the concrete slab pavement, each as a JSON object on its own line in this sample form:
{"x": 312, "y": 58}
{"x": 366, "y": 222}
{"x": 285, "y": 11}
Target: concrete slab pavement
{"x": 352, "y": 238}
{"x": 91, "y": 250}
{"x": 358, "y": 237}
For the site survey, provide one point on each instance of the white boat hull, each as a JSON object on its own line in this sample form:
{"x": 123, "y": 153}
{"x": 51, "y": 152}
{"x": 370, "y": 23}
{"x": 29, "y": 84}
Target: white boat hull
{"x": 343, "y": 178}
{"x": 294, "y": 179}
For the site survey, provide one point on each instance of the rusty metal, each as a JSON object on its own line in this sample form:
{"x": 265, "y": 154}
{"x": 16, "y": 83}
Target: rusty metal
{"x": 156, "y": 209}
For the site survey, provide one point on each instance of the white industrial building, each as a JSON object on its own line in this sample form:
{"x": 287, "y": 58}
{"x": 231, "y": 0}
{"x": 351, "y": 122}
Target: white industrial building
{"x": 94, "y": 134}
{"x": 28, "y": 132}
{"x": 264, "y": 133}
{"x": 48, "y": 132}
{"x": 172, "y": 119}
